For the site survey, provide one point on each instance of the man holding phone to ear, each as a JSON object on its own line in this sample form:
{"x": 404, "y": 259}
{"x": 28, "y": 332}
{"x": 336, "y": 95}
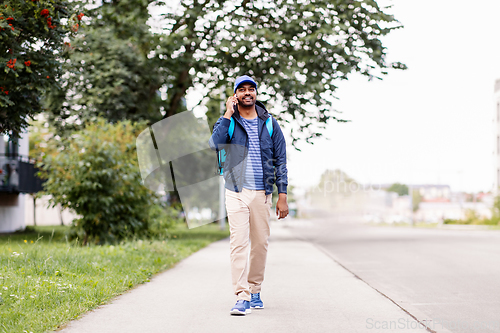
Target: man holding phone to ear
{"x": 256, "y": 159}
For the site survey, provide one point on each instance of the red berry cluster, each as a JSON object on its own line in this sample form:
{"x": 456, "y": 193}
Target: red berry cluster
{"x": 78, "y": 18}
{"x": 3, "y": 90}
{"x": 45, "y": 13}
{"x": 49, "y": 23}
{"x": 11, "y": 63}
{"x": 10, "y": 20}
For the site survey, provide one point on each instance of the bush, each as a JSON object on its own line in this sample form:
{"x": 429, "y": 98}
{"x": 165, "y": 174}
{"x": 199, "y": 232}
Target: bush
{"x": 161, "y": 219}
{"x": 473, "y": 218}
{"x": 95, "y": 173}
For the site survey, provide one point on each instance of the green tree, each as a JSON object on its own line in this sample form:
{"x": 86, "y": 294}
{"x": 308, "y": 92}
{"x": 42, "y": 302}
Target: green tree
{"x": 400, "y": 189}
{"x": 96, "y": 175}
{"x": 297, "y": 50}
{"x": 32, "y": 47}
{"x": 336, "y": 181}
{"x": 338, "y": 192}
{"x": 110, "y": 72}
{"x": 416, "y": 199}
{"x": 40, "y": 134}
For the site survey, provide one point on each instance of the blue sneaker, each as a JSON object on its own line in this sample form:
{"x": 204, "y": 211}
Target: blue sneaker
{"x": 256, "y": 302}
{"x": 241, "y": 308}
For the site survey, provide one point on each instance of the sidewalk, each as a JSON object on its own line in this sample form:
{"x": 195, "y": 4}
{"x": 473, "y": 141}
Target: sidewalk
{"x": 304, "y": 291}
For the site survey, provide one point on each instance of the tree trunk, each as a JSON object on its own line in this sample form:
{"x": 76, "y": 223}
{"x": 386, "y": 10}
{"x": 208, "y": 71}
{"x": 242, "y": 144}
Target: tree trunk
{"x": 180, "y": 91}
{"x": 60, "y": 215}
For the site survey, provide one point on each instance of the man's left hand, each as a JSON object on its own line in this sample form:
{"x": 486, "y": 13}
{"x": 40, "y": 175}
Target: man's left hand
{"x": 282, "y": 206}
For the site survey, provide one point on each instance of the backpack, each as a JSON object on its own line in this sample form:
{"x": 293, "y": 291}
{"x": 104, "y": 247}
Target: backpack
{"x": 221, "y": 154}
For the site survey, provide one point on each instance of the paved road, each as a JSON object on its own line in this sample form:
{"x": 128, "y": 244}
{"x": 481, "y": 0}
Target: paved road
{"x": 449, "y": 278}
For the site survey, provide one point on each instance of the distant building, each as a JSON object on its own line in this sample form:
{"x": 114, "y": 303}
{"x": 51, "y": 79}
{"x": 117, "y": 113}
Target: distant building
{"x": 429, "y": 192}
{"x": 433, "y": 193}
{"x": 496, "y": 137}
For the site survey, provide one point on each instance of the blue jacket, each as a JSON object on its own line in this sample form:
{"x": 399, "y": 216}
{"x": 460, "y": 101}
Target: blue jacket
{"x": 272, "y": 149}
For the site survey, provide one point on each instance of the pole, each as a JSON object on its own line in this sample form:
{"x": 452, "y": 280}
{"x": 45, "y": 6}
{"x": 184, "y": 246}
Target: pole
{"x": 410, "y": 194}
{"x": 222, "y": 208}
{"x": 34, "y": 209}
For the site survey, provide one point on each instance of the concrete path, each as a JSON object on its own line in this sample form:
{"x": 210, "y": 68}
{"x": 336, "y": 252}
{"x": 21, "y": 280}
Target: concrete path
{"x": 304, "y": 291}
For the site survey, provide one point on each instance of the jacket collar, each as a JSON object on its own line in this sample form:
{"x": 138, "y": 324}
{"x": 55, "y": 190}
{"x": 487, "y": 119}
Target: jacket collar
{"x": 262, "y": 113}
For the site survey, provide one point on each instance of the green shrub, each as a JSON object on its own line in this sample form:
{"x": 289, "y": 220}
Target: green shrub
{"x": 162, "y": 218}
{"x": 95, "y": 173}
{"x": 473, "y": 218}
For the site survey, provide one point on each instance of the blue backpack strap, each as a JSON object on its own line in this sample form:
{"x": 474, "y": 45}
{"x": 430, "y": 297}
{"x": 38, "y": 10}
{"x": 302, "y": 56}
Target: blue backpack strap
{"x": 269, "y": 125}
{"x": 221, "y": 159}
{"x": 231, "y": 128}
{"x": 222, "y": 153}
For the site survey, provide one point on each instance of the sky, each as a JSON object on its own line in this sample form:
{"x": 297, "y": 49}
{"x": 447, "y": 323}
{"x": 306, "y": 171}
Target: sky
{"x": 430, "y": 124}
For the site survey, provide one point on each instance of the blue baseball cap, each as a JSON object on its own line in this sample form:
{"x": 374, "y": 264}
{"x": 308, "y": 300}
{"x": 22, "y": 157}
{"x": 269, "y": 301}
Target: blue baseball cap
{"x": 244, "y": 79}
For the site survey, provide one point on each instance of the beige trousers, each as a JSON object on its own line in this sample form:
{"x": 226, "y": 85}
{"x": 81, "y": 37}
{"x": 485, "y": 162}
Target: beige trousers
{"x": 248, "y": 213}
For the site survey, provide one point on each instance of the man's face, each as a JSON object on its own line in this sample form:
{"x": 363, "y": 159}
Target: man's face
{"x": 246, "y": 94}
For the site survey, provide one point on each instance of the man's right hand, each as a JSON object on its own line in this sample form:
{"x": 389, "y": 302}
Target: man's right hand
{"x": 231, "y": 102}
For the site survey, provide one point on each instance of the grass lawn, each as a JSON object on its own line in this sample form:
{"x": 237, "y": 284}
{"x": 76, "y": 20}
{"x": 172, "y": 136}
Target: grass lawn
{"x": 46, "y": 281}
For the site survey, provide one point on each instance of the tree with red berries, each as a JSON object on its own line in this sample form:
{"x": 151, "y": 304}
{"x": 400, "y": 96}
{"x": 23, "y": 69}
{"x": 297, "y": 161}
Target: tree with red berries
{"x": 32, "y": 47}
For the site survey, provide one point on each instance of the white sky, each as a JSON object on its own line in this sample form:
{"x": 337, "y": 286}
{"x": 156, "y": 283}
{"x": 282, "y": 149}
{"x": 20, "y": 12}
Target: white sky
{"x": 429, "y": 124}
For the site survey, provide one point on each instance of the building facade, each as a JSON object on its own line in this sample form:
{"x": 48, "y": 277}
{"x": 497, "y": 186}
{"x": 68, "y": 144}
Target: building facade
{"x": 12, "y": 202}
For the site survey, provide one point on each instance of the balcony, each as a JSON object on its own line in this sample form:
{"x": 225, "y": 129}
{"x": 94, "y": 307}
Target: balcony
{"x": 18, "y": 174}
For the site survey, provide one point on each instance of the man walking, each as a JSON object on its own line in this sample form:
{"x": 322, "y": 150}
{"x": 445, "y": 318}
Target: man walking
{"x": 256, "y": 159}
